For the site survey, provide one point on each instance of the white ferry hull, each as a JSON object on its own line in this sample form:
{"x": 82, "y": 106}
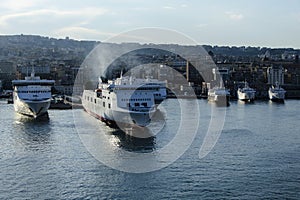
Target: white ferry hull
{"x": 120, "y": 118}
{"x": 31, "y": 108}
{"x": 219, "y": 96}
{"x": 246, "y": 96}
{"x": 276, "y": 96}
{"x": 32, "y": 96}
{"x": 116, "y": 116}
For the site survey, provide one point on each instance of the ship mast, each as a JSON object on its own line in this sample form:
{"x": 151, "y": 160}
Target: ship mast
{"x": 32, "y": 72}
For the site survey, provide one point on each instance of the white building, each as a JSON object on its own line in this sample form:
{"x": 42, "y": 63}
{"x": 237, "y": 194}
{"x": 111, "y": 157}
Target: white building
{"x": 275, "y": 75}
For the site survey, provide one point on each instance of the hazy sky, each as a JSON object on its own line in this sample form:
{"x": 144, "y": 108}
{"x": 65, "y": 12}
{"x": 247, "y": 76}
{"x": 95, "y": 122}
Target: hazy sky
{"x": 268, "y": 23}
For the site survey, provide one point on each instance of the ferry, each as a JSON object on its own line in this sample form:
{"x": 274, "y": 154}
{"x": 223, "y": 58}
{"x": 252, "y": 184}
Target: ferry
{"x": 219, "y": 94}
{"x": 32, "y": 96}
{"x": 276, "y": 93}
{"x": 126, "y": 100}
{"x": 246, "y": 93}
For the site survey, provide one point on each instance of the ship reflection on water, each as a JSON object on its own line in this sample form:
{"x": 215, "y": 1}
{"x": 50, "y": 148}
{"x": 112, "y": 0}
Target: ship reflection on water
{"x": 139, "y": 139}
{"x": 133, "y": 144}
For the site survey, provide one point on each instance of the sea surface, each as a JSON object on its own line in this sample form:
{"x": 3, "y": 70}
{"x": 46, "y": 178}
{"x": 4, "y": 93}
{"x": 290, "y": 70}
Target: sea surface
{"x": 74, "y": 156}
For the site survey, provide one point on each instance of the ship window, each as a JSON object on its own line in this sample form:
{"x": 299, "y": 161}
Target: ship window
{"x": 144, "y": 104}
{"x": 136, "y": 104}
{"x": 103, "y": 104}
{"x": 91, "y": 99}
{"x": 109, "y": 105}
{"x": 95, "y": 101}
{"x": 88, "y": 98}
{"x": 108, "y": 97}
{"x": 128, "y": 105}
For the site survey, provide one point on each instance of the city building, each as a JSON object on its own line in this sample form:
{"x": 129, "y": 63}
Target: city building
{"x": 275, "y": 75}
{"x": 7, "y": 73}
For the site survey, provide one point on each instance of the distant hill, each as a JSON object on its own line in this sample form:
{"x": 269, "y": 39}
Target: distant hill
{"x": 36, "y": 41}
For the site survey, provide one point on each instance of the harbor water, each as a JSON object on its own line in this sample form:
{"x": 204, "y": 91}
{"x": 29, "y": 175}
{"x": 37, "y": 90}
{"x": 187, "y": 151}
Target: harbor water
{"x": 257, "y": 156}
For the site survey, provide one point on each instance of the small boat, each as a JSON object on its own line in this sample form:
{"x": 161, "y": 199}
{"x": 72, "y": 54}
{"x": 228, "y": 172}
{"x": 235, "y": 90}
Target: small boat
{"x": 246, "y": 93}
{"x": 58, "y": 102}
{"x": 219, "y": 94}
{"x": 276, "y": 93}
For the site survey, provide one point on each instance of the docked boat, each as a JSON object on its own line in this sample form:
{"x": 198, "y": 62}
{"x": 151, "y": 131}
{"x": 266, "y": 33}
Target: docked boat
{"x": 246, "y": 93}
{"x": 276, "y": 93}
{"x": 126, "y": 100}
{"x": 32, "y": 96}
{"x": 219, "y": 94}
